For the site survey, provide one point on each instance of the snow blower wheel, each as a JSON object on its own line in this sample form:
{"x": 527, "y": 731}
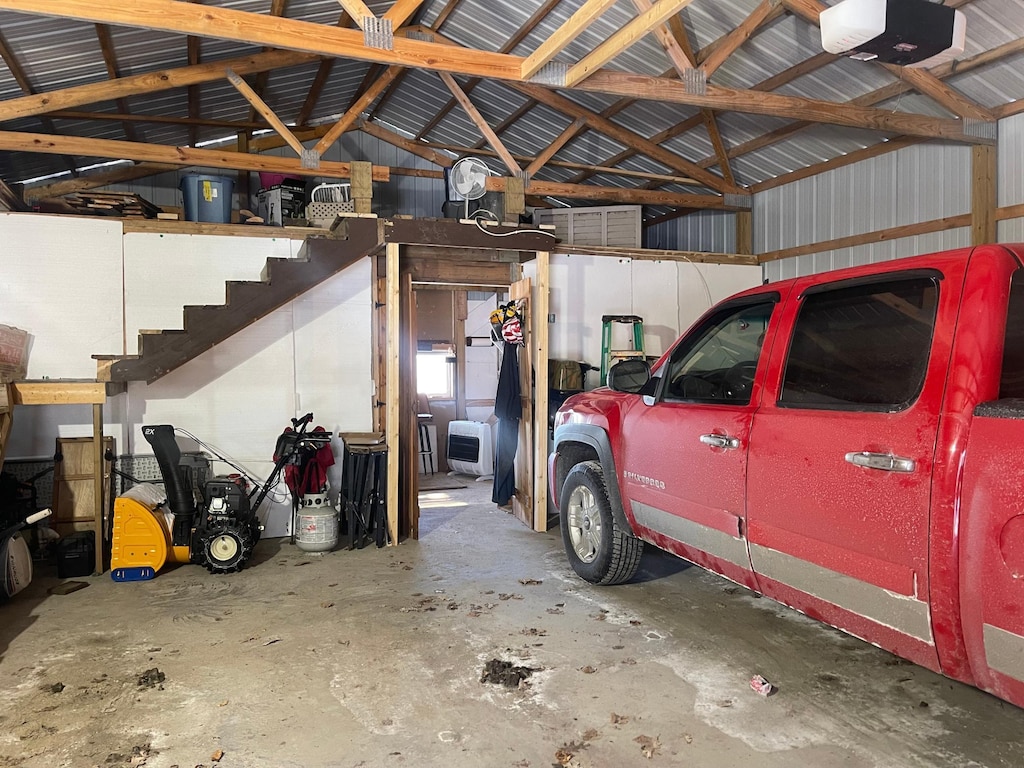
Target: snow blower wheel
{"x": 225, "y": 550}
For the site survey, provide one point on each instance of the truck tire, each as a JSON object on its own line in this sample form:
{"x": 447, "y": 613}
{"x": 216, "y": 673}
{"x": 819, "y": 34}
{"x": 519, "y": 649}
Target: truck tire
{"x": 599, "y": 550}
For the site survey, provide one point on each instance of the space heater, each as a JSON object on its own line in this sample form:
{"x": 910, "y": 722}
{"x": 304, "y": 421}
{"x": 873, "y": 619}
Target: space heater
{"x": 470, "y": 451}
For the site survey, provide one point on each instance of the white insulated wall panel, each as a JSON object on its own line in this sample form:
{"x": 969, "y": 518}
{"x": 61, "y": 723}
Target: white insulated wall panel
{"x": 668, "y": 295}
{"x": 163, "y": 273}
{"x": 915, "y": 184}
{"x": 481, "y": 358}
{"x": 1011, "y": 163}
{"x": 60, "y": 280}
{"x": 333, "y": 376}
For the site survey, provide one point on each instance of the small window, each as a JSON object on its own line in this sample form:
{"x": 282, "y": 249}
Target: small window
{"x": 719, "y": 365}
{"x": 1012, "y": 382}
{"x": 863, "y": 347}
{"x": 434, "y": 373}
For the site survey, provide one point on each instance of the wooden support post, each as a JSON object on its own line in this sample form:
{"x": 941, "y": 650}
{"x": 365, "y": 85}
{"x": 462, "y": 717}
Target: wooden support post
{"x": 98, "y": 481}
{"x": 744, "y": 232}
{"x": 244, "y": 192}
{"x": 362, "y": 186}
{"x": 6, "y": 417}
{"x": 983, "y": 195}
{"x": 392, "y": 394}
{"x": 461, "y": 312}
{"x": 539, "y": 320}
{"x": 515, "y": 196}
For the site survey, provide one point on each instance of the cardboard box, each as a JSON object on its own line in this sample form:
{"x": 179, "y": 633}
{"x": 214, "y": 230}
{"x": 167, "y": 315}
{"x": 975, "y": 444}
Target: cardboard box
{"x": 13, "y": 353}
{"x": 279, "y": 204}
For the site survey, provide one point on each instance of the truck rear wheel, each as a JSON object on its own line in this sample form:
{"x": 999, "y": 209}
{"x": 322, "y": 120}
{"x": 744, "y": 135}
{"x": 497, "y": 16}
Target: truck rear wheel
{"x": 599, "y": 550}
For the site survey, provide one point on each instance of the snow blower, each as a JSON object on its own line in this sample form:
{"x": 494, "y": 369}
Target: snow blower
{"x": 212, "y": 523}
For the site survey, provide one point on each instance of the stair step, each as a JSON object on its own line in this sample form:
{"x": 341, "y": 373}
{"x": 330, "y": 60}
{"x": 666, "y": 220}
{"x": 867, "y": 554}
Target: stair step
{"x": 248, "y": 301}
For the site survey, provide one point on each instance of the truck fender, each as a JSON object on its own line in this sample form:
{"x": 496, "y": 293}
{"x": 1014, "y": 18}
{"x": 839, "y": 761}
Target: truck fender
{"x": 596, "y": 438}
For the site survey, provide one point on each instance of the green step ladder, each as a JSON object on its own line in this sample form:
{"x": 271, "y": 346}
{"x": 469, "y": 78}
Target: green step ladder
{"x": 608, "y": 355}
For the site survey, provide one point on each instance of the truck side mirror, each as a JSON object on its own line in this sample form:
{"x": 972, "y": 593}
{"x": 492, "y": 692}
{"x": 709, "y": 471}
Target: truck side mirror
{"x": 629, "y": 375}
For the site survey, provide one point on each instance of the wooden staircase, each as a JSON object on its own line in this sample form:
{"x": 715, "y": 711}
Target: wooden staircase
{"x": 247, "y": 301}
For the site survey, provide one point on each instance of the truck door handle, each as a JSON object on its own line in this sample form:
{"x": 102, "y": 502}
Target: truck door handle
{"x": 884, "y": 461}
{"x": 720, "y": 441}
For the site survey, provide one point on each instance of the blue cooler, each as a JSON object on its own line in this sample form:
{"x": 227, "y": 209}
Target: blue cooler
{"x": 207, "y": 198}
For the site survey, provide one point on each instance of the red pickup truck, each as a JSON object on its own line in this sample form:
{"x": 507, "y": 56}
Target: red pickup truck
{"x": 850, "y": 444}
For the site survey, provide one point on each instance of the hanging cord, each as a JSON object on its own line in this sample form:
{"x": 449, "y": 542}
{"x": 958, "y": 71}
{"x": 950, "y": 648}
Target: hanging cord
{"x": 476, "y": 220}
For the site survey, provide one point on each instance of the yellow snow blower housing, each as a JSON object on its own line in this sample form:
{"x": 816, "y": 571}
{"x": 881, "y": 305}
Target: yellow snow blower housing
{"x": 141, "y": 542}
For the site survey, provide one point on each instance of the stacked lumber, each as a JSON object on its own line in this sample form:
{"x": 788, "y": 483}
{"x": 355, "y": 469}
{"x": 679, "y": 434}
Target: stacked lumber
{"x": 121, "y": 204}
{"x": 10, "y": 200}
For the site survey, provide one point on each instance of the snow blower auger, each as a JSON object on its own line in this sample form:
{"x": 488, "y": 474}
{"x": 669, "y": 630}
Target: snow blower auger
{"x": 212, "y": 523}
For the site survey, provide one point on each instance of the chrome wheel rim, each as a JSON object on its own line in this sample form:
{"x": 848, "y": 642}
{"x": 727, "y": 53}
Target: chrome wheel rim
{"x": 584, "y": 523}
{"x": 223, "y": 548}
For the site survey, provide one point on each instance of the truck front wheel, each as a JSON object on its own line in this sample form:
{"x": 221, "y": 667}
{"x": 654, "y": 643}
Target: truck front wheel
{"x": 599, "y": 550}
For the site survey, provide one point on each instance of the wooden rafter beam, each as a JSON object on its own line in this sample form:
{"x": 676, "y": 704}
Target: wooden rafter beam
{"x": 538, "y": 16}
{"x": 263, "y": 109}
{"x": 178, "y": 156}
{"x": 96, "y": 180}
{"x": 106, "y": 41}
{"x": 400, "y": 12}
{"x": 574, "y": 26}
{"x": 277, "y": 8}
{"x": 125, "y": 117}
{"x": 621, "y": 41}
{"x": 552, "y": 149}
{"x": 150, "y": 82}
{"x": 225, "y": 23}
{"x": 739, "y": 36}
{"x": 624, "y": 136}
{"x": 409, "y": 145}
{"x": 323, "y": 72}
{"x": 481, "y": 123}
{"x": 716, "y": 141}
{"x": 631, "y": 195}
{"x": 590, "y": 169}
{"x": 779, "y": 105}
{"x": 352, "y": 114}
{"x": 358, "y": 11}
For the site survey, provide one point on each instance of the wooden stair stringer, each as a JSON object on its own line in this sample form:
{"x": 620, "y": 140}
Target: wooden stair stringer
{"x": 247, "y": 301}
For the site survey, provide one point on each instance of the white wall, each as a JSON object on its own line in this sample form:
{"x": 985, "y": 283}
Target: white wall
{"x": 911, "y": 185}
{"x": 668, "y": 295}
{"x": 87, "y": 290}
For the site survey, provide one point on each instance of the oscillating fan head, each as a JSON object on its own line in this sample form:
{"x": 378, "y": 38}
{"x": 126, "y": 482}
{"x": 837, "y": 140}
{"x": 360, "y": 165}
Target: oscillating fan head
{"x": 469, "y": 178}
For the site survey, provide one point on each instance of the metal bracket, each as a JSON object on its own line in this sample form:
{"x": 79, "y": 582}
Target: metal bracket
{"x": 695, "y": 81}
{"x": 378, "y": 33}
{"x": 310, "y": 158}
{"x": 979, "y": 129}
{"x": 552, "y": 73}
{"x": 737, "y": 201}
{"x": 426, "y": 37}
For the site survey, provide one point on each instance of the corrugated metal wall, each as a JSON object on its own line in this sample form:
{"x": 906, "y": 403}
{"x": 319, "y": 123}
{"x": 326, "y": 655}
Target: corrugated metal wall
{"x": 403, "y": 194}
{"x": 912, "y": 185}
{"x": 705, "y": 231}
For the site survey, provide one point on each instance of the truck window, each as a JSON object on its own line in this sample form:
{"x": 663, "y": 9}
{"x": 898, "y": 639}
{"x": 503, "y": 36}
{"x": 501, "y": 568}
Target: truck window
{"x": 719, "y": 365}
{"x": 1012, "y": 382}
{"x": 862, "y": 347}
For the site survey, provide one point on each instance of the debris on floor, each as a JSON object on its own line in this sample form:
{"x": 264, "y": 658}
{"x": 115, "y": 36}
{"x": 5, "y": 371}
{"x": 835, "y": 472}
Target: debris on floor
{"x": 531, "y": 582}
{"x": 67, "y": 587}
{"x": 505, "y": 673}
{"x": 648, "y": 745}
{"x": 151, "y": 678}
{"x": 619, "y": 719}
{"x": 565, "y": 755}
{"x": 55, "y": 688}
{"x": 759, "y": 685}
{"x": 217, "y": 756}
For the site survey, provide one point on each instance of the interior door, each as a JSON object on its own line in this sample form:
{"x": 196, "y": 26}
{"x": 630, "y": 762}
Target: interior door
{"x": 841, "y": 457}
{"x": 685, "y": 451}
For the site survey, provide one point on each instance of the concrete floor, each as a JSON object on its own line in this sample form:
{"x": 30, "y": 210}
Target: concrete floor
{"x": 374, "y": 658}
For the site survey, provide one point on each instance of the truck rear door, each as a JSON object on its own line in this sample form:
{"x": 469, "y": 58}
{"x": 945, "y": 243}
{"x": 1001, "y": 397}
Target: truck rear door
{"x": 841, "y": 454}
{"x": 991, "y": 513}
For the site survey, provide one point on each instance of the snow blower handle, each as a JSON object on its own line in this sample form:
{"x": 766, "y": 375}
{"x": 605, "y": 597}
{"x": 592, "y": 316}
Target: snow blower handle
{"x": 40, "y": 515}
{"x": 296, "y": 423}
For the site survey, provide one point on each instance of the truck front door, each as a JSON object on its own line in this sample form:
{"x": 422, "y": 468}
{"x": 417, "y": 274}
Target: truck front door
{"x": 841, "y": 455}
{"x": 685, "y": 450}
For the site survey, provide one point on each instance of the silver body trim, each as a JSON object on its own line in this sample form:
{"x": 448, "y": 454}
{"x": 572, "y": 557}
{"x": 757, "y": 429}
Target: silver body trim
{"x": 900, "y": 612}
{"x": 710, "y": 540}
{"x": 1004, "y": 651}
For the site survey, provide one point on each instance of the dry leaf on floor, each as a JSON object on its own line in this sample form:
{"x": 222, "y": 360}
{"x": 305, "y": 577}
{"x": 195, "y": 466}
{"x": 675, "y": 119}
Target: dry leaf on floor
{"x": 217, "y": 755}
{"x": 590, "y": 734}
{"x": 648, "y": 746}
{"x": 530, "y": 582}
{"x": 588, "y": 670}
{"x": 619, "y": 719}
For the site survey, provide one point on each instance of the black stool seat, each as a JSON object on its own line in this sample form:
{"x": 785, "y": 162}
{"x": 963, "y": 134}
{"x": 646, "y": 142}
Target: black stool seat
{"x": 364, "y": 488}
